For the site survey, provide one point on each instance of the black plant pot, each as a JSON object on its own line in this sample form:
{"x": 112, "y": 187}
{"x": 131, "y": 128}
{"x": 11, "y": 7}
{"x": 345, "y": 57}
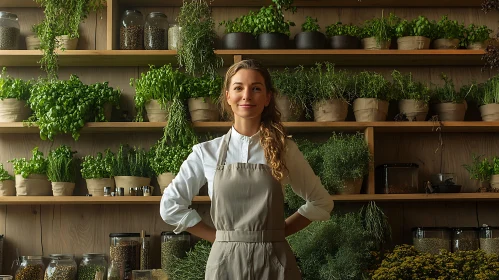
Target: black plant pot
{"x": 273, "y": 41}
{"x": 239, "y": 41}
{"x": 310, "y": 40}
{"x": 344, "y": 42}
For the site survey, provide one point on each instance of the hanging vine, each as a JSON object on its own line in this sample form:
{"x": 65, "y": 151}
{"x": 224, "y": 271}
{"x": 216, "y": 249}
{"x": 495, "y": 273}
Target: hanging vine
{"x": 491, "y": 56}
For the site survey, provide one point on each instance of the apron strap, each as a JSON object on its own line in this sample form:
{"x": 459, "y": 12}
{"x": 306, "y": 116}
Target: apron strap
{"x": 222, "y": 155}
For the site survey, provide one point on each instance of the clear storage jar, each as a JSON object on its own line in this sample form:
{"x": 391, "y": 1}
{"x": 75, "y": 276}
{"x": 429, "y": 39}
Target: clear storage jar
{"x": 174, "y": 36}
{"x": 489, "y": 239}
{"x": 31, "y": 268}
{"x": 431, "y": 239}
{"x": 173, "y": 245}
{"x": 465, "y": 239}
{"x": 9, "y": 31}
{"x": 125, "y": 250}
{"x": 132, "y": 31}
{"x": 92, "y": 267}
{"x": 397, "y": 178}
{"x": 61, "y": 267}
{"x": 156, "y": 32}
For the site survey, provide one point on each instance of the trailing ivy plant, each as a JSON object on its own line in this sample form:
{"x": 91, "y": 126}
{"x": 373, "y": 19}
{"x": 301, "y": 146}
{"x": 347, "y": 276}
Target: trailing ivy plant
{"x": 4, "y": 174}
{"x": 244, "y": 23}
{"x": 61, "y": 165}
{"x": 404, "y": 87}
{"x": 64, "y": 106}
{"x": 100, "y": 166}
{"x": 369, "y": 84}
{"x": 338, "y": 29}
{"x": 132, "y": 162}
{"x": 292, "y": 83}
{"x": 310, "y": 25}
{"x": 419, "y": 26}
{"x": 62, "y": 17}
{"x": 37, "y": 164}
{"x": 13, "y": 87}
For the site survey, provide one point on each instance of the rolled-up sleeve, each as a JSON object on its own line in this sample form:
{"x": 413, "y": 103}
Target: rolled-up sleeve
{"x": 307, "y": 185}
{"x": 177, "y": 197}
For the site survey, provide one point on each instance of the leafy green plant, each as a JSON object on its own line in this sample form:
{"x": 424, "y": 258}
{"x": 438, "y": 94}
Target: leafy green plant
{"x": 449, "y": 29}
{"x": 131, "y": 162}
{"x": 192, "y": 266}
{"x": 13, "y": 87}
{"x": 292, "y": 83}
{"x": 206, "y": 86}
{"x": 271, "y": 20}
{"x": 419, "y": 26}
{"x": 244, "y": 23}
{"x": 310, "y": 24}
{"x": 485, "y": 93}
{"x": 63, "y": 106}
{"x": 61, "y": 165}
{"x": 37, "y": 164}
{"x": 369, "y": 84}
{"x": 475, "y": 33}
{"x": 4, "y": 174}
{"x": 382, "y": 29}
{"x": 325, "y": 82}
{"x": 197, "y": 39}
{"x": 479, "y": 169}
{"x": 168, "y": 158}
{"x": 448, "y": 93}
{"x": 100, "y": 166}
{"x": 404, "y": 87}
{"x": 495, "y": 166}
{"x": 338, "y": 29}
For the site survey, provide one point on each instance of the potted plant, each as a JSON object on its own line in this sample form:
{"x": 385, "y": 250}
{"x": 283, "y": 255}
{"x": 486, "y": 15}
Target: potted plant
{"x": 449, "y": 33}
{"x": 413, "y": 96}
{"x": 64, "y": 106}
{"x": 131, "y": 168}
{"x": 415, "y": 34}
{"x": 343, "y": 36}
{"x": 292, "y": 93}
{"x": 61, "y": 170}
{"x": 203, "y": 94}
{"x": 155, "y": 90}
{"x": 330, "y": 91}
{"x": 7, "y": 183}
{"x": 166, "y": 160}
{"x": 271, "y": 29}
{"x": 494, "y": 178}
{"x": 310, "y": 37}
{"x": 13, "y": 96}
{"x": 239, "y": 32}
{"x": 97, "y": 172}
{"x": 32, "y": 41}
{"x": 372, "y": 94}
{"x": 480, "y": 170}
{"x": 378, "y": 32}
{"x": 31, "y": 178}
{"x": 486, "y": 95}
{"x": 449, "y": 104}
{"x": 477, "y": 37}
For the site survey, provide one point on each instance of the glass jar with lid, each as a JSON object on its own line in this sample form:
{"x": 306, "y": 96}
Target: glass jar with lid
{"x": 156, "y": 32}
{"x": 61, "y": 266}
{"x": 174, "y": 36}
{"x": 125, "y": 250}
{"x": 31, "y": 268}
{"x": 132, "y": 31}
{"x": 9, "y": 31}
{"x": 431, "y": 239}
{"x": 92, "y": 267}
{"x": 173, "y": 245}
{"x": 464, "y": 239}
{"x": 489, "y": 239}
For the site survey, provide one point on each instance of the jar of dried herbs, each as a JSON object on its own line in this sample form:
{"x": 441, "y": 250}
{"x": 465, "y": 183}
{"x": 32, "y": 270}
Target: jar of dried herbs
{"x": 431, "y": 239}
{"x": 489, "y": 239}
{"x": 92, "y": 267}
{"x": 173, "y": 245}
{"x": 156, "y": 32}
{"x": 464, "y": 239}
{"x": 31, "y": 268}
{"x": 132, "y": 31}
{"x": 9, "y": 31}
{"x": 125, "y": 250}
{"x": 61, "y": 267}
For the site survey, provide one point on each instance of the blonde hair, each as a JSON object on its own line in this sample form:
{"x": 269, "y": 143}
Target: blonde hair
{"x": 272, "y": 134}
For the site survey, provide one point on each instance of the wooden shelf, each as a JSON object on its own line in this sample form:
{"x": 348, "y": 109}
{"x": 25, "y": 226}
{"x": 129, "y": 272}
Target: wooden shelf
{"x": 418, "y": 197}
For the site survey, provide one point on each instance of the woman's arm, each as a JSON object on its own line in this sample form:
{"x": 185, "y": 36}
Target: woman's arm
{"x": 295, "y": 223}
{"x": 202, "y": 230}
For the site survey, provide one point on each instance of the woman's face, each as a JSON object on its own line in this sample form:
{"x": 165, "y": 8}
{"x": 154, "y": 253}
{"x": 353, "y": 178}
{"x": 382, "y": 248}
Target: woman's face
{"x": 247, "y": 94}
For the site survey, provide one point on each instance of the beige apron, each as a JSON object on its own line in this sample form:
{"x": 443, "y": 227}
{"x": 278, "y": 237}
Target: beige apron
{"x": 247, "y": 209}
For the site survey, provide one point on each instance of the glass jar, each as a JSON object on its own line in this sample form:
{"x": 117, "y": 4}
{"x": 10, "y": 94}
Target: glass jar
{"x": 125, "y": 251}
{"x": 174, "y": 36}
{"x": 61, "y": 267}
{"x": 397, "y": 178}
{"x": 6, "y": 277}
{"x": 92, "y": 266}
{"x": 489, "y": 239}
{"x": 9, "y": 31}
{"x": 431, "y": 239}
{"x": 173, "y": 245}
{"x": 142, "y": 275}
{"x": 132, "y": 31}
{"x": 31, "y": 268}
{"x": 464, "y": 239}
{"x": 156, "y": 32}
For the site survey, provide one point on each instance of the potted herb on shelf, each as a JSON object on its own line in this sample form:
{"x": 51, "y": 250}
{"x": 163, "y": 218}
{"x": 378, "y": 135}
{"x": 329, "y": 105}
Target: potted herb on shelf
{"x": 377, "y": 33}
{"x": 413, "y": 96}
{"x": 13, "y": 96}
{"x": 7, "y": 183}
{"x": 449, "y": 104}
{"x": 486, "y": 96}
{"x": 494, "y": 178}
{"x": 203, "y": 94}
{"x": 131, "y": 168}
{"x": 480, "y": 170}
{"x": 415, "y": 34}
{"x": 166, "y": 160}
{"x": 271, "y": 29}
{"x": 97, "y": 172}
{"x": 310, "y": 37}
{"x": 343, "y": 36}
{"x": 61, "y": 170}
{"x": 292, "y": 93}
{"x": 449, "y": 33}
{"x": 31, "y": 178}
{"x": 477, "y": 37}
{"x": 372, "y": 94}
{"x": 239, "y": 33}
{"x": 330, "y": 91}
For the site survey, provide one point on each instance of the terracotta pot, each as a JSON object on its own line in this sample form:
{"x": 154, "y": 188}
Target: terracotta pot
{"x": 489, "y": 112}
{"x": 414, "y": 109}
{"x": 203, "y": 110}
{"x": 239, "y": 41}
{"x": 333, "y": 110}
{"x": 413, "y": 43}
{"x": 310, "y": 40}
{"x": 370, "y": 109}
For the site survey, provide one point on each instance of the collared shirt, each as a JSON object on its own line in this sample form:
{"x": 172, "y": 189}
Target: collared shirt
{"x": 199, "y": 169}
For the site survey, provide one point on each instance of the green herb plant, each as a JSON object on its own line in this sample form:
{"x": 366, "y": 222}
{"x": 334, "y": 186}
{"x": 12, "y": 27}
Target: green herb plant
{"x": 419, "y": 26}
{"x": 61, "y": 165}
{"x": 369, "y": 84}
{"x": 476, "y": 34}
{"x": 13, "y": 87}
{"x": 168, "y": 158}
{"x": 131, "y": 162}
{"x": 325, "y": 83}
{"x": 292, "y": 83}
{"x": 338, "y": 29}
{"x": 495, "y": 165}
{"x": 37, "y": 164}
{"x": 310, "y": 25}
{"x": 271, "y": 20}
{"x": 244, "y": 23}
{"x": 404, "y": 87}
{"x": 206, "y": 86}
{"x": 449, "y": 29}
{"x": 448, "y": 93}
{"x": 479, "y": 169}
{"x": 485, "y": 93}
{"x": 99, "y": 166}
{"x": 382, "y": 29}
{"x": 192, "y": 266}
{"x": 4, "y": 174}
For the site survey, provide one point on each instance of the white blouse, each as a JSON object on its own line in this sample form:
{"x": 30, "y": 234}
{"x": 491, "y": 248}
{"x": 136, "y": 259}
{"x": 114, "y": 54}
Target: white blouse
{"x": 199, "y": 169}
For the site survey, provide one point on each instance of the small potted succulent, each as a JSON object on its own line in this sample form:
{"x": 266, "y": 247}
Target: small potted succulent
{"x": 449, "y": 104}
{"x": 377, "y": 33}
{"x": 448, "y": 34}
{"x": 372, "y": 96}
{"x": 292, "y": 93}
{"x": 14, "y": 94}
{"x": 131, "y": 168}
{"x": 203, "y": 93}
{"x": 97, "y": 172}
{"x": 7, "y": 183}
{"x": 310, "y": 37}
{"x": 31, "y": 175}
{"x": 477, "y": 37}
{"x": 413, "y": 96}
{"x": 343, "y": 36}
{"x": 61, "y": 170}
{"x": 271, "y": 28}
{"x": 415, "y": 34}
{"x": 239, "y": 32}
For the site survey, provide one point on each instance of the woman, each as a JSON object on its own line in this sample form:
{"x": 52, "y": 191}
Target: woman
{"x": 245, "y": 171}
